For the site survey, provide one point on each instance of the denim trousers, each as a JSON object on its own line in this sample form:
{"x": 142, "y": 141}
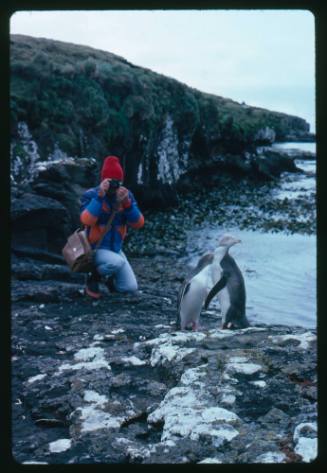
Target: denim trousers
{"x": 108, "y": 263}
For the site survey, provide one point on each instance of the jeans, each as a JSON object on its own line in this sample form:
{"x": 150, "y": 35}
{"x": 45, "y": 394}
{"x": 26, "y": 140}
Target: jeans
{"x": 108, "y": 263}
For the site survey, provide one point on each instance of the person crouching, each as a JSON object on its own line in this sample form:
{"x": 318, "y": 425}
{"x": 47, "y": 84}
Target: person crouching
{"x": 97, "y": 205}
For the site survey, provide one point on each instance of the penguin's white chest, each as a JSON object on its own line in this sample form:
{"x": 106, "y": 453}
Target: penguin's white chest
{"x": 203, "y": 279}
{"x": 224, "y": 301}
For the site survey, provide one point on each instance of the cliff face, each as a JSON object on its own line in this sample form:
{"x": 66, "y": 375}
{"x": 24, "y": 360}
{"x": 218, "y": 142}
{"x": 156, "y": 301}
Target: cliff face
{"x": 69, "y": 100}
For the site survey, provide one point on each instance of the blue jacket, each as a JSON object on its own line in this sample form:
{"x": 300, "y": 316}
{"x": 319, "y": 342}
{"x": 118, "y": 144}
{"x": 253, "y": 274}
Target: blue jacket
{"x": 95, "y": 213}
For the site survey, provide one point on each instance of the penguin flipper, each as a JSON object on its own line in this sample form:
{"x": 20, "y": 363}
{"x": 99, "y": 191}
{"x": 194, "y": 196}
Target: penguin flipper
{"x": 216, "y": 288}
{"x": 183, "y": 291}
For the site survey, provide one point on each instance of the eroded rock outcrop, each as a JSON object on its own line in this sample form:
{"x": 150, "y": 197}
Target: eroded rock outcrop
{"x": 114, "y": 382}
{"x": 70, "y": 100}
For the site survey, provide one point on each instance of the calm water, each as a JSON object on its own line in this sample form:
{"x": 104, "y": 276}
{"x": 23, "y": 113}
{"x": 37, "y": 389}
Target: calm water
{"x": 279, "y": 270}
{"x": 302, "y": 146}
{"x": 298, "y": 185}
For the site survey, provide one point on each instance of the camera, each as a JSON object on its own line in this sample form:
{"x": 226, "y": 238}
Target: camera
{"x": 114, "y": 185}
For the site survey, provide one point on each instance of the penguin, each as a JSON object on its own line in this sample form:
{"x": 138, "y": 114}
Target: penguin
{"x": 232, "y": 296}
{"x": 207, "y": 275}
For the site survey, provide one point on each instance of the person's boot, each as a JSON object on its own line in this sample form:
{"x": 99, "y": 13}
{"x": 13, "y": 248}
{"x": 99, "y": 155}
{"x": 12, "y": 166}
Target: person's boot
{"x": 92, "y": 285}
{"x": 110, "y": 284}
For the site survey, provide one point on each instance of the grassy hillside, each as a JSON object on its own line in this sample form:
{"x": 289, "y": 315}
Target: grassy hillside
{"x": 87, "y": 102}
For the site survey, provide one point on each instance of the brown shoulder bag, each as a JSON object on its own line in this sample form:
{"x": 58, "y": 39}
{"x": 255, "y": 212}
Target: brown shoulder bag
{"x": 78, "y": 252}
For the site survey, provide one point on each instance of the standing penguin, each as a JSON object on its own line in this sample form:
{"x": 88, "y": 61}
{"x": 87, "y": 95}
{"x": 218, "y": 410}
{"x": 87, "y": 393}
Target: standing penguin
{"x": 232, "y": 296}
{"x": 207, "y": 275}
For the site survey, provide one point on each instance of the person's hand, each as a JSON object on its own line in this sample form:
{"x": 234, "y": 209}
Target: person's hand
{"x": 122, "y": 196}
{"x": 104, "y": 186}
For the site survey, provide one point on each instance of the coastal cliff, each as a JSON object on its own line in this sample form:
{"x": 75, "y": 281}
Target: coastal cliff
{"x": 115, "y": 381}
{"x": 75, "y": 101}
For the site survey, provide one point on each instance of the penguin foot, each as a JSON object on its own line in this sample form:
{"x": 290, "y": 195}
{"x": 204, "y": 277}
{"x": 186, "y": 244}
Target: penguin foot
{"x": 236, "y": 325}
{"x": 195, "y": 326}
{"x": 229, "y": 326}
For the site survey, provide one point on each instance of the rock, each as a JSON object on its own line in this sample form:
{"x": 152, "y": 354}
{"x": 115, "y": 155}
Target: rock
{"x": 44, "y": 291}
{"x": 174, "y": 132}
{"x": 36, "y": 253}
{"x": 271, "y": 164}
{"x": 298, "y": 154}
{"x": 114, "y": 382}
{"x": 45, "y": 217}
{"x": 65, "y": 180}
{"x": 28, "y": 269}
{"x": 87, "y": 398}
{"x": 266, "y": 135}
{"x": 38, "y": 221}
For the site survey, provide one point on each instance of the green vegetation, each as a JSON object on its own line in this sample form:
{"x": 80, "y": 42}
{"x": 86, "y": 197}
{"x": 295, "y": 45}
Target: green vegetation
{"x": 92, "y": 103}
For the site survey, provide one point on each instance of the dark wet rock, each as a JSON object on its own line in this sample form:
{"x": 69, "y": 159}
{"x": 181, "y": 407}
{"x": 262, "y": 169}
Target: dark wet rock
{"x": 270, "y": 164}
{"x": 242, "y": 183}
{"x": 48, "y": 212}
{"x": 113, "y": 382}
{"x": 38, "y": 221}
{"x": 44, "y": 292}
{"x": 65, "y": 180}
{"x": 36, "y": 253}
{"x": 28, "y": 269}
{"x": 304, "y": 136}
{"x": 162, "y": 137}
{"x": 299, "y": 154}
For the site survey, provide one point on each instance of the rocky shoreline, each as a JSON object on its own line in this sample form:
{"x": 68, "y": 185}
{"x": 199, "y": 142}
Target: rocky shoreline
{"x": 114, "y": 382}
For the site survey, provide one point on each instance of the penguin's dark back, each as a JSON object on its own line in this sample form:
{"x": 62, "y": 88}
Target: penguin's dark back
{"x": 235, "y": 281}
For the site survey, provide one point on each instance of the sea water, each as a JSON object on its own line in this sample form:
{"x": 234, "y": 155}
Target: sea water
{"x": 310, "y": 146}
{"x": 279, "y": 269}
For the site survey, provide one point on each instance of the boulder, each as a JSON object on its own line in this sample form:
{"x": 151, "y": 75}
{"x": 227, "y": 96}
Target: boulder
{"x": 37, "y": 221}
{"x": 270, "y": 164}
{"x": 65, "y": 180}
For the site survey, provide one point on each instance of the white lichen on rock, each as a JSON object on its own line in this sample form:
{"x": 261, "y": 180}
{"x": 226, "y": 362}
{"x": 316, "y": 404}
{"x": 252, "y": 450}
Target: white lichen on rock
{"x": 228, "y": 398}
{"x": 192, "y": 376}
{"x": 23, "y": 156}
{"x": 210, "y": 460}
{"x": 173, "y": 338}
{"x": 304, "y": 339}
{"x": 171, "y": 164}
{"x": 91, "y": 358}
{"x": 94, "y": 414}
{"x": 271, "y": 457}
{"x": 168, "y": 353}
{"x": 57, "y": 154}
{"x": 138, "y": 453}
{"x": 260, "y": 384}
{"x": 240, "y": 364}
{"x": 95, "y": 398}
{"x": 38, "y": 377}
{"x": 305, "y": 438}
{"x": 265, "y": 134}
{"x": 94, "y": 418}
{"x": 133, "y": 361}
{"x": 139, "y": 178}
{"x": 168, "y": 347}
{"x": 118, "y": 330}
{"x": 187, "y": 412}
{"x": 307, "y": 448}
{"x": 60, "y": 445}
